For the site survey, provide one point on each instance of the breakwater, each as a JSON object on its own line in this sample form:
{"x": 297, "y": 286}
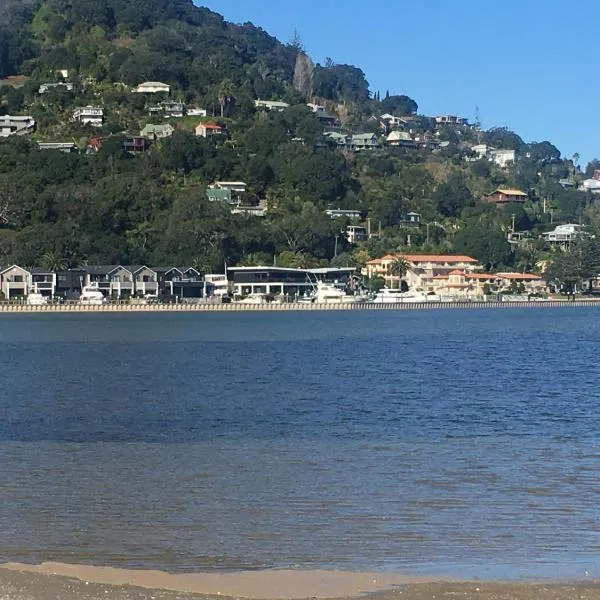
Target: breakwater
{"x": 278, "y": 307}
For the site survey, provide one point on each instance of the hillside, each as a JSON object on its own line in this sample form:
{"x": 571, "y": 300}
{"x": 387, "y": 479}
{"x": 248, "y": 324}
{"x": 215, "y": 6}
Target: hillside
{"x": 148, "y": 204}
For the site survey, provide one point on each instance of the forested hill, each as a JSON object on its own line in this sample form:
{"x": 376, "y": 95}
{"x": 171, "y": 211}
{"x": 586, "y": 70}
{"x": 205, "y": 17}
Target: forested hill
{"x": 115, "y": 202}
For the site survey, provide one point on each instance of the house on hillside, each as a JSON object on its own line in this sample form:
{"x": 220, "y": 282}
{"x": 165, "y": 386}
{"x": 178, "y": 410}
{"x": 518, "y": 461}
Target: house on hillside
{"x": 339, "y": 140}
{"x": 10, "y": 126}
{"x": 563, "y": 235}
{"x": 233, "y": 192}
{"x": 156, "y": 132}
{"x": 501, "y": 197}
{"x": 46, "y": 87}
{"x": 66, "y": 147}
{"x": 451, "y": 120}
{"x": 356, "y": 233}
{"x": 192, "y": 111}
{"x": 365, "y": 141}
{"x": 208, "y": 130}
{"x": 89, "y": 115}
{"x": 327, "y": 119}
{"x": 275, "y": 105}
{"x": 152, "y": 87}
{"x": 136, "y": 144}
{"x": 503, "y": 157}
{"x": 336, "y": 213}
{"x": 401, "y": 138}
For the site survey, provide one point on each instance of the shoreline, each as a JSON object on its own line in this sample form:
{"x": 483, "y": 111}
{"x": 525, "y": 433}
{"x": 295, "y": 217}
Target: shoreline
{"x": 288, "y": 307}
{"x": 52, "y": 580}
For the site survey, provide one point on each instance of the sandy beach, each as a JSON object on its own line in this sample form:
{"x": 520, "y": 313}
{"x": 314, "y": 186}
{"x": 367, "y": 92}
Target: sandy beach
{"x": 69, "y": 582}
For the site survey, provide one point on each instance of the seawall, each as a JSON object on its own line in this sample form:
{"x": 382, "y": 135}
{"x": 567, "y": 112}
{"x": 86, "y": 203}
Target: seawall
{"x": 292, "y": 306}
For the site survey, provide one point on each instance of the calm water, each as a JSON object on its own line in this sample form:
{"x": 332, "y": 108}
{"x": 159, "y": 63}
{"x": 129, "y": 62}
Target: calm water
{"x": 446, "y": 442}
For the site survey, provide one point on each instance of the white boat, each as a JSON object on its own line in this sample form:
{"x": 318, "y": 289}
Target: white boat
{"x": 35, "y": 299}
{"x": 328, "y": 293}
{"x": 389, "y": 296}
{"x": 253, "y": 299}
{"x": 91, "y": 295}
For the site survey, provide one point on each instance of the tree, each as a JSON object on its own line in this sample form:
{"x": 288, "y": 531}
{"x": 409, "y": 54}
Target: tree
{"x": 399, "y": 105}
{"x": 225, "y": 94}
{"x": 399, "y": 268}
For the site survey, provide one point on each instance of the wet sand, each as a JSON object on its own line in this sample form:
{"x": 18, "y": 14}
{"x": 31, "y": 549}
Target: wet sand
{"x": 53, "y": 581}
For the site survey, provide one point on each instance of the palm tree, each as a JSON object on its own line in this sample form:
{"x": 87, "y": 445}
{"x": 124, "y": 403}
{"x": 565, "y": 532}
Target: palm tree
{"x": 225, "y": 94}
{"x": 53, "y": 261}
{"x": 399, "y": 268}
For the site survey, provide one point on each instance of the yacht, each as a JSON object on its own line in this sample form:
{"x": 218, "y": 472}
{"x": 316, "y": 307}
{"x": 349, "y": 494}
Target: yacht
{"x": 35, "y": 299}
{"x": 91, "y": 295}
{"x": 389, "y": 296}
{"x": 328, "y": 293}
{"x": 253, "y": 299}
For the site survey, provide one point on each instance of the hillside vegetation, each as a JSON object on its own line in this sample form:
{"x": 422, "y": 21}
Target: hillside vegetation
{"x": 151, "y": 208}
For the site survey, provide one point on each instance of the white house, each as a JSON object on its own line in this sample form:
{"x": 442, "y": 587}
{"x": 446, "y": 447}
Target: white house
{"x": 271, "y": 105}
{"x": 315, "y": 107}
{"x": 16, "y": 125}
{"x": 152, "y": 87}
{"x": 66, "y": 147}
{"x": 356, "y": 233}
{"x": 451, "y": 120}
{"x": 563, "y": 234}
{"x": 501, "y": 157}
{"x": 336, "y": 213}
{"x": 89, "y": 115}
{"x": 196, "y": 112}
{"x": 45, "y": 87}
{"x": 589, "y": 185}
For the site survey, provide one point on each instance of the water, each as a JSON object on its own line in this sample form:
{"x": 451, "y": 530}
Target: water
{"x": 460, "y": 443}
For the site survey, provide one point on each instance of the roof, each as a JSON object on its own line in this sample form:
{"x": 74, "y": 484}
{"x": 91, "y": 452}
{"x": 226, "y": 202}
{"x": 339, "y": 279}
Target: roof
{"x": 456, "y": 272}
{"x": 100, "y": 269}
{"x": 153, "y": 84}
{"x": 508, "y": 192}
{"x": 481, "y": 276}
{"x": 439, "y": 258}
{"x": 519, "y": 276}
{"x": 210, "y": 126}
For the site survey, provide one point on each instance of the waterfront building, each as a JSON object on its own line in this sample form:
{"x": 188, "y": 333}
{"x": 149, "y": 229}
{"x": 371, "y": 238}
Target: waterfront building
{"x": 282, "y": 280}
{"x": 422, "y": 269}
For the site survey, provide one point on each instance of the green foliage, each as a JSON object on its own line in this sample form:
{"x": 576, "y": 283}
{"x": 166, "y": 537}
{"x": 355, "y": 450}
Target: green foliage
{"x": 399, "y": 105}
{"x": 112, "y": 207}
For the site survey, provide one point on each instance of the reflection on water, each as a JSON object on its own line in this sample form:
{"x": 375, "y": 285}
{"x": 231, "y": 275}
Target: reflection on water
{"x": 460, "y": 443}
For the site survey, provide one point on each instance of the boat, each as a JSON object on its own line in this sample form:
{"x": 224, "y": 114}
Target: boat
{"x": 91, "y": 295}
{"x": 389, "y": 296}
{"x": 253, "y": 299}
{"x": 329, "y": 293}
{"x": 36, "y": 299}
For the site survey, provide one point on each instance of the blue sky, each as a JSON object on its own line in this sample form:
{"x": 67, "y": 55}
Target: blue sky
{"x": 529, "y": 65}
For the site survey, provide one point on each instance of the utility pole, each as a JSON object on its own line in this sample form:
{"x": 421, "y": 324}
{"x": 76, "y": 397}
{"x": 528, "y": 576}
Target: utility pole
{"x": 336, "y": 244}
{"x": 514, "y": 216}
